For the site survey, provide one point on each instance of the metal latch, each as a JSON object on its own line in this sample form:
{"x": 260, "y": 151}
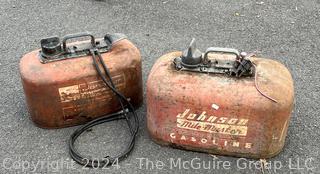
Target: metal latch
{"x": 53, "y": 50}
{"x": 192, "y": 59}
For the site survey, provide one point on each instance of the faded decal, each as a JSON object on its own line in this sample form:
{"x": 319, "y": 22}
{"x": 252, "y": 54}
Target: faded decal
{"x": 214, "y": 141}
{"x": 215, "y": 106}
{"x": 212, "y": 124}
{"x": 212, "y": 127}
{"x": 85, "y": 96}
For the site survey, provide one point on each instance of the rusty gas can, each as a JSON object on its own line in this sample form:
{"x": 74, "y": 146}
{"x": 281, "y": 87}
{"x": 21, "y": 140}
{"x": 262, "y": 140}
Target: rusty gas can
{"x": 62, "y": 87}
{"x": 220, "y": 102}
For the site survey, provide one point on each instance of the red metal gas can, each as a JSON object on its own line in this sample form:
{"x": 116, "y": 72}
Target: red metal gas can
{"x": 62, "y": 87}
{"x": 220, "y": 102}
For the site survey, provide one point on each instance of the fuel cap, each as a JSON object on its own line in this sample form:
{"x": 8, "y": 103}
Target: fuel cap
{"x": 51, "y": 46}
{"x": 191, "y": 56}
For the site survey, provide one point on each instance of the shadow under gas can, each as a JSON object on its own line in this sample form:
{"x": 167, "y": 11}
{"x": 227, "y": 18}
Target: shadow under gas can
{"x": 62, "y": 87}
{"x": 220, "y": 102}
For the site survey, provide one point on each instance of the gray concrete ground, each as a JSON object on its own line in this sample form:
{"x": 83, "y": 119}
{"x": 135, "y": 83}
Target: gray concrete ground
{"x": 286, "y": 30}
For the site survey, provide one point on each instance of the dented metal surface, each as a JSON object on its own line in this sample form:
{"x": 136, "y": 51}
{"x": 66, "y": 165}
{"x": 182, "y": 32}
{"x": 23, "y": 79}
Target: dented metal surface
{"x": 66, "y": 92}
{"x": 217, "y": 113}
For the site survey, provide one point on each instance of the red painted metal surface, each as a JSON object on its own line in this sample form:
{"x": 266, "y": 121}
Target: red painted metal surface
{"x": 70, "y": 92}
{"x": 219, "y": 114}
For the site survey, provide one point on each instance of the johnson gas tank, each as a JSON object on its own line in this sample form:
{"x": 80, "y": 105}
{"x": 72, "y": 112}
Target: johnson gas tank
{"x": 220, "y": 101}
{"x": 62, "y": 86}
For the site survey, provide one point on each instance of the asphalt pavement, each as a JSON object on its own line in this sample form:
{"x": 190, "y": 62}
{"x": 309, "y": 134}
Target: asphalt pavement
{"x": 285, "y": 30}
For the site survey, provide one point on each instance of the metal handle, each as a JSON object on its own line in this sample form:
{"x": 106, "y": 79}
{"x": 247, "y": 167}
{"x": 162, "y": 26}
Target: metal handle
{"x": 72, "y": 36}
{"x": 220, "y": 50}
